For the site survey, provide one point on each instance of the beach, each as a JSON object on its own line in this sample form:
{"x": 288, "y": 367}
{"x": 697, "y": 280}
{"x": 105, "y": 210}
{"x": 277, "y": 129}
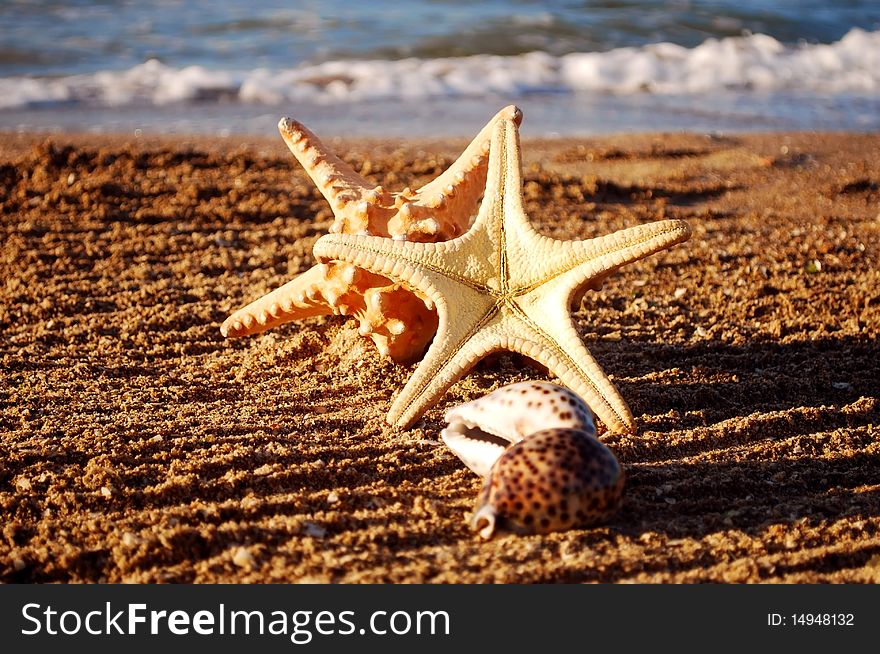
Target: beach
{"x": 138, "y": 445}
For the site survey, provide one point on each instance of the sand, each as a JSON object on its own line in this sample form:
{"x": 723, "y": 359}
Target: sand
{"x": 138, "y": 445}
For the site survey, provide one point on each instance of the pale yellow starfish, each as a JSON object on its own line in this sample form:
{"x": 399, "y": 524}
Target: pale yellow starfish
{"x": 399, "y": 323}
{"x": 503, "y": 286}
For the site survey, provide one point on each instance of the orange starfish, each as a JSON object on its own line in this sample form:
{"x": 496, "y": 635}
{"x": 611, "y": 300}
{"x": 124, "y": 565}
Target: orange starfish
{"x": 399, "y": 320}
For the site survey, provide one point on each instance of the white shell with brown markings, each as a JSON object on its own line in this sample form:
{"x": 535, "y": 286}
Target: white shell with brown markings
{"x": 535, "y": 445}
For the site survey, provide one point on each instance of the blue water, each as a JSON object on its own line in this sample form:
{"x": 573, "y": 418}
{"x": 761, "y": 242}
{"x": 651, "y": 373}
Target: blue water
{"x": 78, "y": 36}
{"x": 55, "y": 57}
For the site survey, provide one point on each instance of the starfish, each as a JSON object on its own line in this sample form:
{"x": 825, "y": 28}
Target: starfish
{"x": 502, "y": 286}
{"x": 399, "y": 322}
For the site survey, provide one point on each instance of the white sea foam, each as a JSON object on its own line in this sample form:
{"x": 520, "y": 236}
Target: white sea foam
{"x": 756, "y": 62}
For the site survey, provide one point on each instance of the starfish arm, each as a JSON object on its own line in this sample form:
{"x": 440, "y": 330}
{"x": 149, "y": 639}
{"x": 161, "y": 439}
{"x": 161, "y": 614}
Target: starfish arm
{"x": 460, "y": 259}
{"x": 457, "y": 348}
{"x": 552, "y": 340}
{"x": 605, "y": 255}
{"x": 529, "y": 258}
{"x": 592, "y": 260}
{"x": 440, "y": 210}
{"x": 457, "y": 190}
{"x": 502, "y": 202}
{"x": 299, "y": 298}
{"x": 337, "y": 181}
{"x": 457, "y": 345}
{"x": 465, "y": 257}
{"x": 420, "y": 266}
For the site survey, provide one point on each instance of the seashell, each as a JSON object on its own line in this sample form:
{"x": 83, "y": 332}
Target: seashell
{"x": 535, "y": 445}
{"x": 552, "y": 480}
{"x": 480, "y": 431}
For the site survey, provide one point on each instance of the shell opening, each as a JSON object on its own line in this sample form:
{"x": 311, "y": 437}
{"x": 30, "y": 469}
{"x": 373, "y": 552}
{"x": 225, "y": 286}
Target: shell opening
{"x": 484, "y": 521}
{"x": 477, "y": 450}
{"x": 469, "y": 430}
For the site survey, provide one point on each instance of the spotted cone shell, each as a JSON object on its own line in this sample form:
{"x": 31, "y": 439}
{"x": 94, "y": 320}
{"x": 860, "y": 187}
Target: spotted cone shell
{"x": 552, "y": 480}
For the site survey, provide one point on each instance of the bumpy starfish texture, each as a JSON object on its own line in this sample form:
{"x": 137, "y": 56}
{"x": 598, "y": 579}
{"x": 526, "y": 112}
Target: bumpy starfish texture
{"x": 399, "y": 322}
{"x": 503, "y": 286}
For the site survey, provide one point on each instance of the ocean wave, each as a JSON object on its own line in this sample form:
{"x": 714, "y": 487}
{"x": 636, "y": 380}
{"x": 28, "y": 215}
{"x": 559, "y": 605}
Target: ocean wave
{"x": 754, "y": 62}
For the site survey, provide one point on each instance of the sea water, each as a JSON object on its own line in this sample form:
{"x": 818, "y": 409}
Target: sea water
{"x": 440, "y": 67}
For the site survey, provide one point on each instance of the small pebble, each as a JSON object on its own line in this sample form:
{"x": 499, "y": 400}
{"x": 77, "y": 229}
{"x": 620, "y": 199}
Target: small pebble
{"x": 129, "y": 539}
{"x": 249, "y": 502}
{"x": 243, "y": 558}
{"x": 313, "y": 530}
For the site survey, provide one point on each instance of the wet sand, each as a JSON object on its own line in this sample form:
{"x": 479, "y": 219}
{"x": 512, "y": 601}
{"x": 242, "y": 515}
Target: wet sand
{"x": 138, "y": 445}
